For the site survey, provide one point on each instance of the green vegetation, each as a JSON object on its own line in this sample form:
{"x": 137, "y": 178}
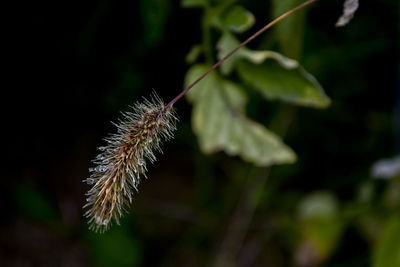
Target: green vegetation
{"x": 274, "y": 157}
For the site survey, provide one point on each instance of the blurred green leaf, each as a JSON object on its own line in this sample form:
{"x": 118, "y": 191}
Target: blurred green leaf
{"x": 194, "y": 3}
{"x": 366, "y": 192}
{"x": 220, "y": 124}
{"x": 290, "y": 30}
{"x": 318, "y": 205}
{"x": 193, "y": 54}
{"x": 387, "y": 251}
{"x": 154, "y": 14}
{"x": 228, "y": 42}
{"x": 322, "y": 234}
{"x": 320, "y": 224}
{"x": 273, "y": 81}
{"x": 272, "y": 74}
{"x": 32, "y": 203}
{"x": 237, "y": 19}
{"x": 115, "y": 248}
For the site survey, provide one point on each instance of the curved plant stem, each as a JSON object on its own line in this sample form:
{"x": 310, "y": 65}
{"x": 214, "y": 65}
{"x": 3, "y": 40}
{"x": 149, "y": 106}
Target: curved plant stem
{"x": 239, "y": 224}
{"x": 269, "y": 25}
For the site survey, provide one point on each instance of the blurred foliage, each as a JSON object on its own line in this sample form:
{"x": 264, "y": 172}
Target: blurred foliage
{"x": 127, "y": 252}
{"x": 219, "y": 122}
{"x": 264, "y": 106}
{"x": 32, "y": 203}
{"x": 218, "y": 115}
{"x": 320, "y": 226}
{"x": 387, "y": 252}
{"x": 290, "y": 32}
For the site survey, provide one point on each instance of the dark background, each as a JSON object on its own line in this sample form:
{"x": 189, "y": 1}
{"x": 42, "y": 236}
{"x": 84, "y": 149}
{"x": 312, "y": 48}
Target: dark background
{"x": 76, "y": 64}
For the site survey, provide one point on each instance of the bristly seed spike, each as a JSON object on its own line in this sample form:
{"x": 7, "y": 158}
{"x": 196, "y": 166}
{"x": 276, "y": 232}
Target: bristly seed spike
{"x": 140, "y": 132}
{"x": 122, "y": 162}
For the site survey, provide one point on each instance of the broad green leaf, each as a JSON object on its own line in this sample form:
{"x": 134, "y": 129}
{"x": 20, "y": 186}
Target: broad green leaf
{"x": 387, "y": 251}
{"x": 290, "y": 30}
{"x": 272, "y": 74}
{"x": 194, "y": 3}
{"x": 273, "y": 81}
{"x": 319, "y": 224}
{"x": 219, "y": 121}
{"x": 237, "y": 19}
{"x": 228, "y": 42}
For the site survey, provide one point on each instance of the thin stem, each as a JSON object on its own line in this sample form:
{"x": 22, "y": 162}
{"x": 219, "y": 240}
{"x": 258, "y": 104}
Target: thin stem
{"x": 269, "y": 25}
{"x": 242, "y": 217}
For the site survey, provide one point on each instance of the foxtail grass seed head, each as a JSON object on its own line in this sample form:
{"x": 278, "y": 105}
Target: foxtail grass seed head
{"x": 122, "y": 162}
